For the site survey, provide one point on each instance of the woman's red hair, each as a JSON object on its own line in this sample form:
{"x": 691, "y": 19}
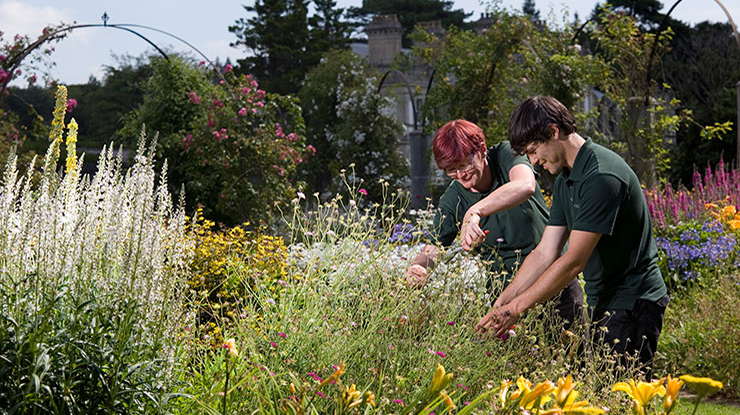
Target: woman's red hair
{"x": 455, "y": 141}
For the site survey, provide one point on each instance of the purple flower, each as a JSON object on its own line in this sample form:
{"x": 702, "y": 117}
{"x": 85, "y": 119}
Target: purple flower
{"x": 450, "y": 323}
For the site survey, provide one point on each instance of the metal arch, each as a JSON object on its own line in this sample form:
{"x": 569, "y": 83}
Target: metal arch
{"x": 58, "y": 34}
{"x": 125, "y": 27}
{"x": 408, "y": 88}
{"x": 662, "y": 27}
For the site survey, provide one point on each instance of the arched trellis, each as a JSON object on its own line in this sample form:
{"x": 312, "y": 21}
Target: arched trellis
{"x": 408, "y": 89}
{"x": 64, "y": 30}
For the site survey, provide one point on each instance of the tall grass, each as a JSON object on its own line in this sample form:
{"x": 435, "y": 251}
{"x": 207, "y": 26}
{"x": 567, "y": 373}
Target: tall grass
{"x": 90, "y": 284}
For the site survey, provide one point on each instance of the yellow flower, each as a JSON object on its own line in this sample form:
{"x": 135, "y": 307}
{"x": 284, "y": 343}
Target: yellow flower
{"x": 701, "y": 386}
{"x": 710, "y": 206}
{"x": 672, "y": 386}
{"x": 503, "y": 391}
{"x": 440, "y": 380}
{"x": 230, "y": 344}
{"x": 729, "y": 211}
{"x": 71, "y": 161}
{"x": 524, "y": 387}
{"x": 334, "y": 376}
{"x": 369, "y": 398}
{"x": 351, "y": 396}
{"x": 734, "y": 224}
{"x": 448, "y": 401}
{"x": 539, "y": 394}
{"x": 565, "y": 388}
{"x": 640, "y": 392}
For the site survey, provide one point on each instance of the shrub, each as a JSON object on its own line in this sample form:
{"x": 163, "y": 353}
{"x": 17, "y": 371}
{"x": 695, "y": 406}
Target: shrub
{"x": 92, "y": 271}
{"x": 227, "y": 266}
{"x": 233, "y": 146}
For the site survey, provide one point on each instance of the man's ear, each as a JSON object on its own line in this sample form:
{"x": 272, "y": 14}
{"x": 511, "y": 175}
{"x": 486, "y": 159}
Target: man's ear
{"x": 555, "y": 132}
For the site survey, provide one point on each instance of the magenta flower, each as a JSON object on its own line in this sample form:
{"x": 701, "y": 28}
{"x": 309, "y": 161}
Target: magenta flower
{"x": 273, "y": 344}
{"x": 321, "y": 394}
{"x": 228, "y": 68}
{"x": 315, "y": 376}
{"x": 311, "y": 148}
{"x": 450, "y": 323}
{"x": 283, "y": 335}
{"x": 187, "y": 141}
{"x": 242, "y": 112}
{"x": 442, "y": 354}
{"x": 193, "y": 97}
{"x": 71, "y": 104}
{"x": 362, "y": 192}
{"x": 398, "y": 401}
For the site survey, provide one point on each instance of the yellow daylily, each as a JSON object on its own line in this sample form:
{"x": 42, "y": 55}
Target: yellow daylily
{"x": 523, "y": 385}
{"x": 590, "y": 410}
{"x": 672, "y": 386}
{"x": 539, "y": 394}
{"x": 448, "y": 401}
{"x": 351, "y": 396}
{"x": 701, "y": 386}
{"x": 640, "y": 392}
{"x": 505, "y": 384}
{"x": 734, "y": 224}
{"x": 369, "y": 398}
{"x": 729, "y": 211}
{"x": 334, "y": 376}
{"x": 564, "y": 390}
{"x": 440, "y": 380}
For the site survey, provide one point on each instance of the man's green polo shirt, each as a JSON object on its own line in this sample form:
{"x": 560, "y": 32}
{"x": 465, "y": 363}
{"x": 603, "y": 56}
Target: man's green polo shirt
{"x": 603, "y": 195}
{"x": 513, "y": 233}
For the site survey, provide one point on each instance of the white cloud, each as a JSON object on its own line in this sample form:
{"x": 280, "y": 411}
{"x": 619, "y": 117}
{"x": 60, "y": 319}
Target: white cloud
{"x": 23, "y": 19}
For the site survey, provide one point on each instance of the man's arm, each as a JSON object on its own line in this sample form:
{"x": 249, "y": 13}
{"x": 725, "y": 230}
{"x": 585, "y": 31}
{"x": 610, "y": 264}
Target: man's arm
{"x": 521, "y": 187}
{"x": 580, "y": 246}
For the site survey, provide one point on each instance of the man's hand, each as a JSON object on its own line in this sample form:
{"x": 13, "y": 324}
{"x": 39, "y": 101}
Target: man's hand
{"x": 416, "y": 276}
{"x": 500, "y": 319}
{"x": 471, "y": 235}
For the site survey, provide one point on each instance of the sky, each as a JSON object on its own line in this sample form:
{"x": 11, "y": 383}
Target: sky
{"x": 204, "y": 25}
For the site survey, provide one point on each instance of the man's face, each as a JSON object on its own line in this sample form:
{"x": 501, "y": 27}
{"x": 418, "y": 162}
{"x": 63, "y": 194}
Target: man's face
{"x": 550, "y": 155}
{"x": 467, "y": 172}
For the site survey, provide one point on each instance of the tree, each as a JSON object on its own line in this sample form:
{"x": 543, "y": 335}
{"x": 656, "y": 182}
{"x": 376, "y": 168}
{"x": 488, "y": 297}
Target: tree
{"x": 410, "y": 13}
{"x": 646, "y": 12}
{"x": 284, "y": 42}
{"x": 703, "y": 67}
{"x": 347, "y": 122}
{"x": 483, "y": 77}
{"x": 529, "y": 9}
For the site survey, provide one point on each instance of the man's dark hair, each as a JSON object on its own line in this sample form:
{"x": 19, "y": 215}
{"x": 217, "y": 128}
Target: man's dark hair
{"x": 531, "y": 120}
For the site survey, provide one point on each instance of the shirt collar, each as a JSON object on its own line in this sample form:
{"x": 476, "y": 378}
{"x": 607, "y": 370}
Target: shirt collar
{"x": 579, "y": 164}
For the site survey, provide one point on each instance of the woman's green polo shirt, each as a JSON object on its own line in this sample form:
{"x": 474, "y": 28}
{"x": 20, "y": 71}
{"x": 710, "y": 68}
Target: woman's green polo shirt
{"x": 603, "y": 195}
{"x": 513, "y": 233}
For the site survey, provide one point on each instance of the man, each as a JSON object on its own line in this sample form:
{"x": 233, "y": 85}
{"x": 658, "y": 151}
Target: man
{"x": 599, "y": 209}
{"x": 495, "y": 204}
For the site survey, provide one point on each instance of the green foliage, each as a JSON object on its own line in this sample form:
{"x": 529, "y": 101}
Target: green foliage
{"x": 232, "y": 146}
{"x": 646, "y": 114}
{"x": 349, "y": 123}
{"x": 482, "y": 77}
{"x": 62, "y": 354}
{"x": 703, "y": 67}
{"x": 701, "y": 333}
